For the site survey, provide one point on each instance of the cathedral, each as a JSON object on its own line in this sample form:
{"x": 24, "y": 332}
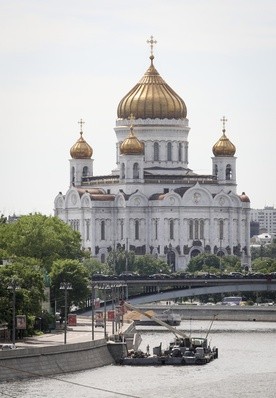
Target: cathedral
{"x": 152, "y": 202}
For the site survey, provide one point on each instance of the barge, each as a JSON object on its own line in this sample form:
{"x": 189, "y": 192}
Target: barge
{"x": 183, "y": 350}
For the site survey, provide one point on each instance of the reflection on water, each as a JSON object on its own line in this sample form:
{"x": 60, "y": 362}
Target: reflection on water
{"x": 246, "y": 368}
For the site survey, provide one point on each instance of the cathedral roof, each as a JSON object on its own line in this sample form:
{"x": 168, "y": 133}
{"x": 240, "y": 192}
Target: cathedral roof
{"x": 224, "y": 147}
{"x": 152, "y": 98}
{"x": 131, "y": 145}
{"x": 81, "y": 149}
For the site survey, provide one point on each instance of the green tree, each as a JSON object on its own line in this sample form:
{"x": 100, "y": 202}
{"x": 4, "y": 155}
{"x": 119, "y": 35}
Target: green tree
{"x": 72, "y": 272}
{"x": 120, "y": 260}
{"x": 94, "y": 266}
{"x": 148, "y": 265}
{"x": 264, "y": 265}
{"x": 41, "y": 237}
{"x": 214, "y": 264}
{"x": 29, "y": 293}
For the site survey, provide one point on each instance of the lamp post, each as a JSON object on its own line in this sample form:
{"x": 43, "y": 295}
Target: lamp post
{"x": 65, "y": 286}
{"x": 13, "y": 286}
{"x": 93, "y": 309}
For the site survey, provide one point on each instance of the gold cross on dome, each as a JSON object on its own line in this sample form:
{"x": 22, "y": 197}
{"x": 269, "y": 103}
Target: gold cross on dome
{"x": 223, "y": 120}
{"x": 151, "y": 42}
{"x": 81, "y": 122}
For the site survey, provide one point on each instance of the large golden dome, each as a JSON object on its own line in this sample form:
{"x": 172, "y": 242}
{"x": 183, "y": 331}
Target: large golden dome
{"x": 81, "y": 149}
{"x": 224, "y": 147}
{"x": 131, "y": 145}
{"x": 152, "y": 98}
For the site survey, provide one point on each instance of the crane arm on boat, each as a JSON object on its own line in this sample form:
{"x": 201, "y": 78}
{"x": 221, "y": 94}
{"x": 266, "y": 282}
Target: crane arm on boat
{"x": 171, "y": 328}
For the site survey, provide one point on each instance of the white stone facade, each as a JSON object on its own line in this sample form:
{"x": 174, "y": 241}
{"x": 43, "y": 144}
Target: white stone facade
{"x": 153, "y": 203}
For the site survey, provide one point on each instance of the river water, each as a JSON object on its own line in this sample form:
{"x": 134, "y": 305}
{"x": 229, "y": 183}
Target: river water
{"x": 246, "y": 367}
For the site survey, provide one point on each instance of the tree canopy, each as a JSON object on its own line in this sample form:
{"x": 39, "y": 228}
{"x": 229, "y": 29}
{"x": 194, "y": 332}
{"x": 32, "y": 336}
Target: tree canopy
{"x": 73, "y": 273}
{"x": 28, "y": 280}
{"x": 41, "y": 237}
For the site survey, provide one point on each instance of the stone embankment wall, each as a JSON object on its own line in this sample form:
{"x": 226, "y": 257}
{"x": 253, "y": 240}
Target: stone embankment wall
{"x": 223, "y": 313}
{"x": 52, "y": 360}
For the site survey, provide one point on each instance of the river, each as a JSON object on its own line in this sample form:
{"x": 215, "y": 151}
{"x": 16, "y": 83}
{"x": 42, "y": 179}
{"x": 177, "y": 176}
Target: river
{"x": 246, "y": 367}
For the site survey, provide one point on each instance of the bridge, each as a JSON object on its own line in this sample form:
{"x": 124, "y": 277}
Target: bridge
{"x": 170, "y": 289}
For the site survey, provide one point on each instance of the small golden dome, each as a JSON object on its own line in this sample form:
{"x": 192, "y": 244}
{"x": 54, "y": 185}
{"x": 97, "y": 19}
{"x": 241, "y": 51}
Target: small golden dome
{"x": 152, "y": 98}
{"x": 224, "y": 146}
{"x": 81, "y": 149}
{"x": 131, "y": 145}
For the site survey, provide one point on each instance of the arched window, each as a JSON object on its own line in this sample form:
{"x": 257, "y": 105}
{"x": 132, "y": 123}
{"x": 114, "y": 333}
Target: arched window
{"x": 123, "y": 171}
{"x": 169, "y": 151}
{"x": 85, "y": 171}
{"x": 136, "y": 170}
{"x": 156, "y": 151}
{"x": 136, "y": 229}
{"x": 102, "y": 230}
{"x": 180, "y": 152}
{"x": 171, "y": 229}
{"x": 228, "y": 172}
{"x": 102, "y": 258}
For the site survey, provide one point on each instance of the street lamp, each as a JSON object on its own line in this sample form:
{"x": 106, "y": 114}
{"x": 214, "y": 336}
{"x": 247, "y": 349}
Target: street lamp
{"x": 13, "y": 286}
{"x": 65, "y": 286}
{"x": 93, "y": 309}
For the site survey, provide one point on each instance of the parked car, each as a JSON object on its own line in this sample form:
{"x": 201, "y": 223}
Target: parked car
{"x": 5, "y": 347}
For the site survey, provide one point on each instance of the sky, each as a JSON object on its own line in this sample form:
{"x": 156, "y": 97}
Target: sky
{"x": 64, "y": 60}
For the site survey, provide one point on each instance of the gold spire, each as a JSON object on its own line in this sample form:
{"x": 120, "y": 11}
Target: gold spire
{"x": 81, "y": 149}
{"x": 131, "y": 145}
{"x": 224, "y": 147}
{"x": 152, "y": 97}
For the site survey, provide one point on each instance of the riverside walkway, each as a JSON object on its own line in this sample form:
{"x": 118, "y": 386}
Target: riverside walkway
{"x": 80, "y": 333}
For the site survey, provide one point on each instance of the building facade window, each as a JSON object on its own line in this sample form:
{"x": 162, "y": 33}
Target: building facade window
{"x": 180, "y": 152}
{"x": 137, "y": 229}
{"x": 102, "y": 230}
{"x": 155, "y": 151}
{"x": 220, "y": 229}
{"x": 102, "y": 258}
{"x": 123, "y": 171}
{"x": 228, "y": 172}
{"x": 171, "y": 229}
{"x": 156, "y": 229}
{"x": 169, "y": 151}
{"x": 196, "y": 229}
{"x": 191, "y": 229}
{"x": 201, "y": 230}
{"x": 85, "y": 171}
{"x": 73, "y": 175}
{"x": 216, "y": 170}
{"x": 136, "y": 170}
{"x": 74, "y": 224}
